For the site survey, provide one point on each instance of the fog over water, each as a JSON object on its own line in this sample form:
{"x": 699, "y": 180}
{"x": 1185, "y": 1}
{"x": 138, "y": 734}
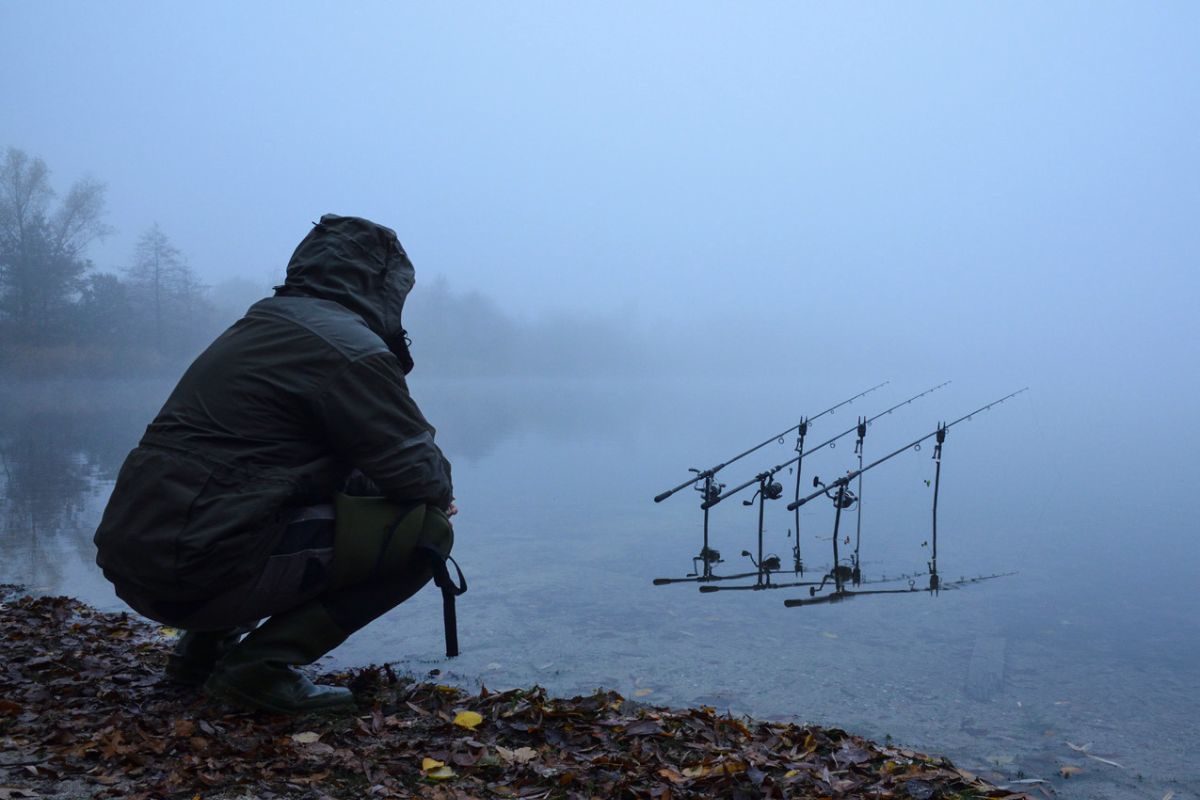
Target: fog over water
{"x": 647, "y": 238}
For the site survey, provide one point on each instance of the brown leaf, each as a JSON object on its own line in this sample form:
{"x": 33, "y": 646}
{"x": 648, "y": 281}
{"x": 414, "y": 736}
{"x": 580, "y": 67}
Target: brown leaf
{"x": 850, "y": 753}
{"x": 184, "y": 727}
{"x": 673, "y": 776}
{"x": 643, "y": 727}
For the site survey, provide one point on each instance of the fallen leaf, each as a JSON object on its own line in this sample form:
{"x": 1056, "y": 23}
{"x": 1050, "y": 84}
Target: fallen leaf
{"x": 1067, "y": 770}
{"x": 428, "y": 764}
{"x": 306, "y": 737}
{"x": 441, "y": 774}
{"x": 522, "y": 755}
{"x": 672, "y": 775}
{"x": 14, "y": 793}
{"x": 468, "y": 719}
{"x": 643, "y": 727}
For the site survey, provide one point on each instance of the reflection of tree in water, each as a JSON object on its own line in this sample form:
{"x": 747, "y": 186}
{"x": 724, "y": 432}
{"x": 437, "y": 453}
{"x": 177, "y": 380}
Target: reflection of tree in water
{"x": 53, "y": 467}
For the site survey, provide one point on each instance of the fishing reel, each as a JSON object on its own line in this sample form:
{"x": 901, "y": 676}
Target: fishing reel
{"x": 840, "y": 574}
{"x": 843, "y": 499}
{"x": 708, "y": 556}
{"x": 771, "y": 563}
{"x": 710, "y": 490}
{"x": 769, "y": 489}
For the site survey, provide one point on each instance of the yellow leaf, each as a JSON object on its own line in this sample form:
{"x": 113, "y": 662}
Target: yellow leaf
{"x": 467, "y": 719}
{"x": 642, "y": 692}
{"x": 169, "y": 632}
{"x": 305, "y": 737}
{"x": 791, "y": 773}
{"x": 698, "y": 771}
{"x": 428, "y": 764}
{"x": 441, "y": 774}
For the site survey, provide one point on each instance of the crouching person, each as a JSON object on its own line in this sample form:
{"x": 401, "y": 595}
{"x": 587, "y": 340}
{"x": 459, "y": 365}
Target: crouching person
{"x": 289, "y": 477}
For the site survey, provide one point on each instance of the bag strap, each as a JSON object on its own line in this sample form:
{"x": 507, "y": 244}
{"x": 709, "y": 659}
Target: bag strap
{"x": 450, "y": 590}
{"x": 441, "y": 578}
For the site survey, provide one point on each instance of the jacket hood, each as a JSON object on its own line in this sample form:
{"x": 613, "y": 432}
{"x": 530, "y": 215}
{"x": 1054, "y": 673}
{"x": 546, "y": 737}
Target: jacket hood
{"x": 360, "y": 265}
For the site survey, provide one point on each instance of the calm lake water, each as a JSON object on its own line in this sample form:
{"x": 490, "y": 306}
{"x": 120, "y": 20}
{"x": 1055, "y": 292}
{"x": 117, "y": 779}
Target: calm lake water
{"x": 1095, "y": 641}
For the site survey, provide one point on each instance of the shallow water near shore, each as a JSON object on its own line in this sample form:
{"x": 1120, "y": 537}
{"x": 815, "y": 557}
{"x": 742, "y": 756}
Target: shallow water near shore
{"x": 1087, "y": 657}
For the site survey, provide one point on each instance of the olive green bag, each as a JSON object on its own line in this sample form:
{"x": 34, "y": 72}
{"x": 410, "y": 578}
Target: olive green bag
{"x": 375, "y": 536}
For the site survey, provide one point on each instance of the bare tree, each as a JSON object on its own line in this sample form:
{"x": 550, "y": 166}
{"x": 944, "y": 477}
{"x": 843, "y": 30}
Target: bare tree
{"x": 166, "y": 287}
{"x": 42, "y": 248}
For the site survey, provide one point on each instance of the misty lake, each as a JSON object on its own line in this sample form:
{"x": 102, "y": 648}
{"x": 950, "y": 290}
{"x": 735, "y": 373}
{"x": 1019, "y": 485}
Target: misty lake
{"x": 1094, "y": 642}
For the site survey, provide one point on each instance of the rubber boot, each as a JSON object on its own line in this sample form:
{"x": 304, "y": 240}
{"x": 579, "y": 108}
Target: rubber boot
{"x": 259, "y": 672}
{"x": 197, "y": 652}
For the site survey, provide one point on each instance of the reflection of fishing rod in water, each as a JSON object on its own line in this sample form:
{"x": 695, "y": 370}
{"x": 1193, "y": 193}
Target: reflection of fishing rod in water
{"x": 702, "y": 564}
{"x": 838, "y": 491}
{"x": 769, "y": 489}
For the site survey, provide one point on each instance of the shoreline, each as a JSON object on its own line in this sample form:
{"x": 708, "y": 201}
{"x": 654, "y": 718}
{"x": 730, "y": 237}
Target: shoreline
{"x": 85, "y": 714}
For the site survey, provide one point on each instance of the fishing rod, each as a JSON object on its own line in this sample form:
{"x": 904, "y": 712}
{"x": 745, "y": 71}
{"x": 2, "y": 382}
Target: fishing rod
{"x": 702, "y": 564}
{"x": 837, "y": 597}
{"x": 844, "y": 498}
{"x": 711, "y": 471}
{"x": 826, "y": 443}
{"x": 769, "y": 489}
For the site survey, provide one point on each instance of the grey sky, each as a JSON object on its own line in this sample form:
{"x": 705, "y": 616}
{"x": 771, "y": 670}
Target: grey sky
{"x": 1000, "y": 192}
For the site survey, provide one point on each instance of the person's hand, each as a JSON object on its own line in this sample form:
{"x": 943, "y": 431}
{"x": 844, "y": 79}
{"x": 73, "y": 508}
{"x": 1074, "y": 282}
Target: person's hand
{"x": 452, "y": 510}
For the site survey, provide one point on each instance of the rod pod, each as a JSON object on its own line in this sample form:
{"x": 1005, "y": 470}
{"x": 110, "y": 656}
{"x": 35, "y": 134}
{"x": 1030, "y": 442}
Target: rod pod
{"x": 702, "y": 564}
{"x": 935, "y": 583}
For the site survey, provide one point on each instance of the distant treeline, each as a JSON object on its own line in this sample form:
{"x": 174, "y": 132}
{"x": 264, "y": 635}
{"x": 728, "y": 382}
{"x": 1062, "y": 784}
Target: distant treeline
{"x": 469, "y": 334}
{"x": 59, "y": 315}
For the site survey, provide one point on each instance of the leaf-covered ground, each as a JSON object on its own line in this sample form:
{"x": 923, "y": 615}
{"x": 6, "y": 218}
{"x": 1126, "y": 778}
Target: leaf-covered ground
{"x": 82, "y": 705}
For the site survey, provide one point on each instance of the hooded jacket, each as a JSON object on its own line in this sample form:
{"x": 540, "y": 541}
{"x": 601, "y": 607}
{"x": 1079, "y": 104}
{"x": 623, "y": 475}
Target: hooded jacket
{"x": 308, "y": 386}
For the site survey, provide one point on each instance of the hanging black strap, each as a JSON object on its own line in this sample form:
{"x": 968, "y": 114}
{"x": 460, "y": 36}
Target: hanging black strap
{"x": 441, "y": 578}
{"x": 450, "y": 590}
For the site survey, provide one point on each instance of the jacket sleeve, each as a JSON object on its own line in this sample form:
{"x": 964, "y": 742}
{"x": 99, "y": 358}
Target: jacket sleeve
{"x": 374, "y": 424}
